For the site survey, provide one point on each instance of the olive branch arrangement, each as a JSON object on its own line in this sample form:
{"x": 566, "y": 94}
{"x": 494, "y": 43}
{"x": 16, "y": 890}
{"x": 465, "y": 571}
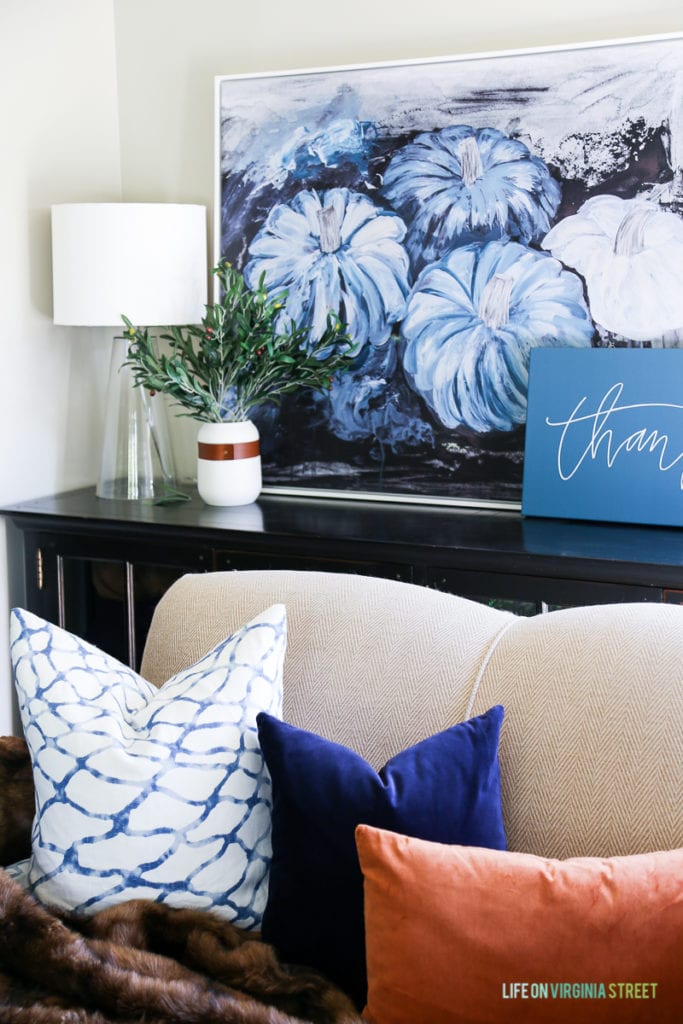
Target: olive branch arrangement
{"x": 242, "y": 355}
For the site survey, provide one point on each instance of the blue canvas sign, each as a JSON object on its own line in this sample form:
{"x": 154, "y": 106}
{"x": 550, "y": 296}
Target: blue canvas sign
{"x": 604, "y": 435}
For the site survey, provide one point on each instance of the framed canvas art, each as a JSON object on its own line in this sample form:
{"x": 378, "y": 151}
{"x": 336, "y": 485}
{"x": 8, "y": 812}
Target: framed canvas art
{"x": 456, "y": 214}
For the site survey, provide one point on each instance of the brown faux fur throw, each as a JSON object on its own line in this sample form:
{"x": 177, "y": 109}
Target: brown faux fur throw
{"x": 147, "y": 962}
{"x": 17, "y": 800}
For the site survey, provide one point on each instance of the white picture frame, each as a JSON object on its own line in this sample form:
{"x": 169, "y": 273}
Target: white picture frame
{"x": 465, "y": 158}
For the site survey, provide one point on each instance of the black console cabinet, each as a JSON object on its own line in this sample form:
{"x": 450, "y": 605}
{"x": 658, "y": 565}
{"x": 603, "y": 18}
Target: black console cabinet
{"x": 98, "y": 567}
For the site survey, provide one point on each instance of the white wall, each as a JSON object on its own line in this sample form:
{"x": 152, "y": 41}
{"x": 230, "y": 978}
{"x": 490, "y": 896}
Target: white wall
{"x": 60, "y": 143}
{"x": 73, "y": 71}
{"x": 176, "y": 47}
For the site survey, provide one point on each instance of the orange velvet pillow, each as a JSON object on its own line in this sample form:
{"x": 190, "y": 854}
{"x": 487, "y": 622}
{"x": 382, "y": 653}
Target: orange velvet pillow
{"x": 463, "y": 935}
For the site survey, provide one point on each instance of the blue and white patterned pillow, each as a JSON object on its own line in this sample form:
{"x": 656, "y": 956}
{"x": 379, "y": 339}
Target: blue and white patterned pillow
{"x": 149, "y": 793}
{"x": 19, "y": 872}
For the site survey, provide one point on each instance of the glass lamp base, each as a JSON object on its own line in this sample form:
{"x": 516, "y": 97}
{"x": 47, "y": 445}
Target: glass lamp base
{"x": 137, "y": 459}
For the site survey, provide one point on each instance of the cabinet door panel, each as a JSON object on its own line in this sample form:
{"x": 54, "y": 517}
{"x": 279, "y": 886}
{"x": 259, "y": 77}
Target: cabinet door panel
{"x": 105, "y": 589}
{"x": 311, "y": 562}
{"x": 528, "y": 595}
{"x": 111, "y": 603}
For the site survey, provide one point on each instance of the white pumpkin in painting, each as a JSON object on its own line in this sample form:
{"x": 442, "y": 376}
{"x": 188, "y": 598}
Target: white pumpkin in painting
{"x": 630, "y": 254}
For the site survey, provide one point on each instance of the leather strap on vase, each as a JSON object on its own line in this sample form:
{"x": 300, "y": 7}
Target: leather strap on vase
{"x": 228, "y": 452}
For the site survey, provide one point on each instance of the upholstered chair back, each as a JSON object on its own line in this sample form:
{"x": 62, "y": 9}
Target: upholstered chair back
{"x": 592, "y": 746}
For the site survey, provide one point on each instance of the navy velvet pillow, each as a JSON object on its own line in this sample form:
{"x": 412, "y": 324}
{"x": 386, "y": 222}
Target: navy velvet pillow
{"x": 445, "y": 789}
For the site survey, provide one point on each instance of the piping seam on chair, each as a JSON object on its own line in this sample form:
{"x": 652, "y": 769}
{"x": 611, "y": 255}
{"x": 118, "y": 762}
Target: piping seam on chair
{"x": 484, "y": 665}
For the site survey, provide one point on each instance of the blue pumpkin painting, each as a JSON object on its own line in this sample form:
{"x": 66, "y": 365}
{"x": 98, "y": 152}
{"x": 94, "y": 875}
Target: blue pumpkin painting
{"x": 334, "y": 250}
{"x": 461, "y": 184}
{"x": 456, "y": 214}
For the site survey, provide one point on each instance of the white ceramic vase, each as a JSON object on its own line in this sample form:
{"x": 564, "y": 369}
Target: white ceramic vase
{"x": 228, "y": 463}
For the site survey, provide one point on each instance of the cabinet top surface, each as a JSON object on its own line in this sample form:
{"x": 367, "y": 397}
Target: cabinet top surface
{"x": 381, "y": 524}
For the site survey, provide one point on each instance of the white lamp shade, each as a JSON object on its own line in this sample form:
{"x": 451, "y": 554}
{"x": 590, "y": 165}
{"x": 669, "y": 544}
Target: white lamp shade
{"x": 147, "y": 260}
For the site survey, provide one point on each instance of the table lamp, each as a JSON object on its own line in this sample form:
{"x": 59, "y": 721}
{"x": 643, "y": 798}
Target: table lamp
{"x": 147, "y": 260}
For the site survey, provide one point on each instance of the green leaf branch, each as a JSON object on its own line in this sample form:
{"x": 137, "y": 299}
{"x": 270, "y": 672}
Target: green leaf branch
{"x": 243, "y": 354}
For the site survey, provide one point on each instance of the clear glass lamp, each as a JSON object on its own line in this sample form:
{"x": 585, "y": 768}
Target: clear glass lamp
{"x": 147, "y": 260}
